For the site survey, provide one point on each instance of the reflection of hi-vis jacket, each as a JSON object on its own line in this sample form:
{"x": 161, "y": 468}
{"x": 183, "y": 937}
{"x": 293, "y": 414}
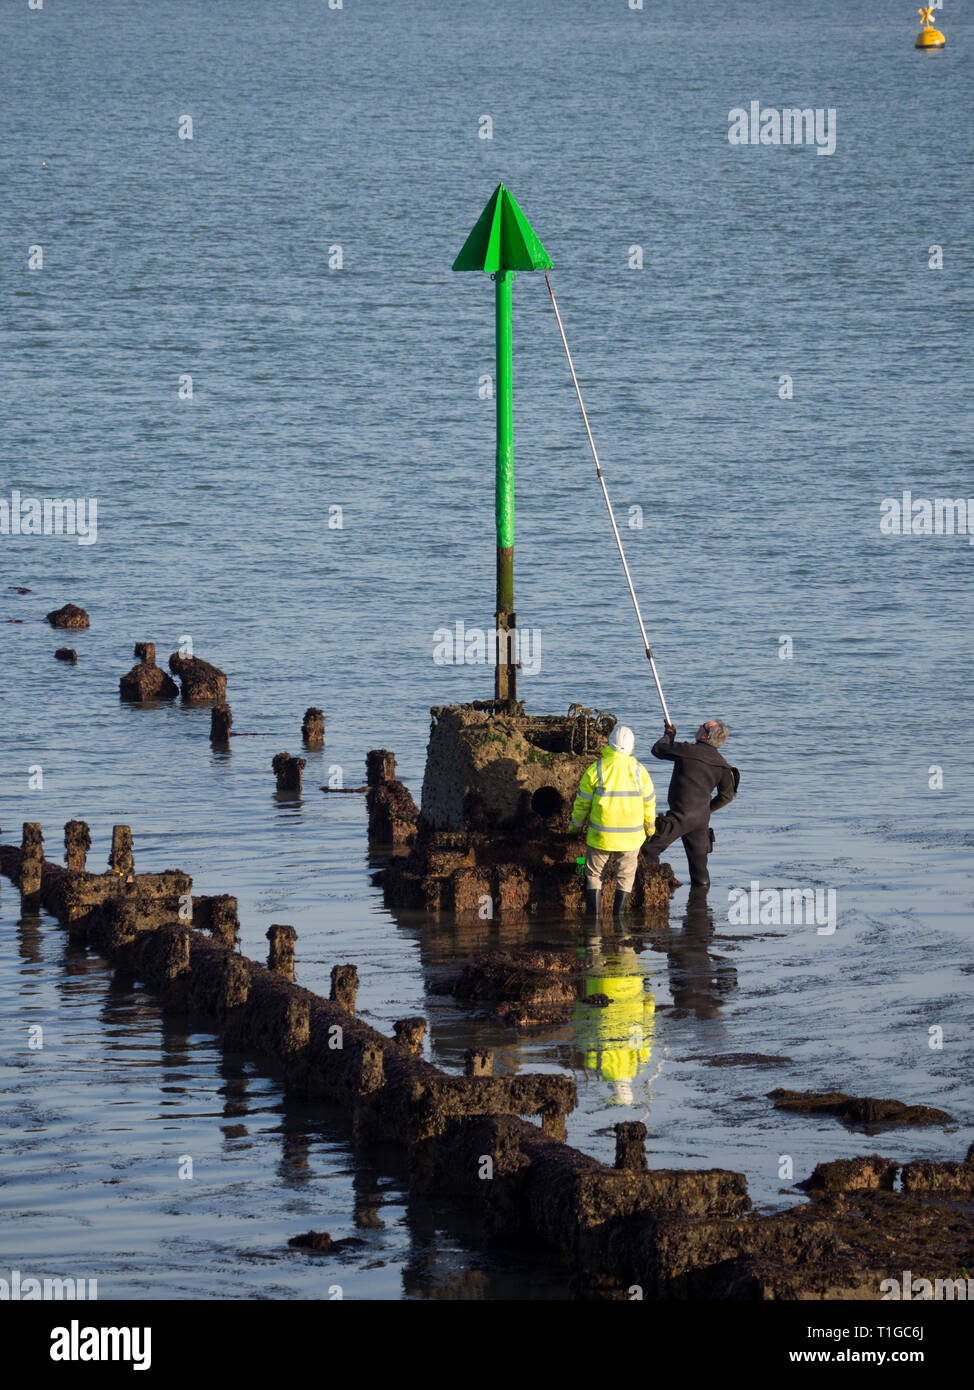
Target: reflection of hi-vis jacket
{"x": 617, "y": 1039}
{"x": 616, "y": 794}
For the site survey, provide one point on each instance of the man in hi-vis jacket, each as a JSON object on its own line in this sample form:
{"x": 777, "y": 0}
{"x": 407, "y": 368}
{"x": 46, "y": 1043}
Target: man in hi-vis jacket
{"x": 702, "y": 782}
{"x": 617, "y": 799}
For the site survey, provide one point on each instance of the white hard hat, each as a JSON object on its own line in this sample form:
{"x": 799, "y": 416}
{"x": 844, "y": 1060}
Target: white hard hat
{"x": 622, "y": 739}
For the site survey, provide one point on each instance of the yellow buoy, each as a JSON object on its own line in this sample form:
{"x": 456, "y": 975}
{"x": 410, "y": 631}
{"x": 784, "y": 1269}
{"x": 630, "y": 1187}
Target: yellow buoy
{"x": 929, "y": 37}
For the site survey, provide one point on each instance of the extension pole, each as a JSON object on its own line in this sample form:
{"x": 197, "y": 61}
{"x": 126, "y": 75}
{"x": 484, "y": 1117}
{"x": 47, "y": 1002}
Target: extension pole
{"x": 605, "y": 494}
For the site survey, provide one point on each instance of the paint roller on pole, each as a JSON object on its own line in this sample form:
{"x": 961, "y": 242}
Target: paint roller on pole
{"x": 605, "y": 494}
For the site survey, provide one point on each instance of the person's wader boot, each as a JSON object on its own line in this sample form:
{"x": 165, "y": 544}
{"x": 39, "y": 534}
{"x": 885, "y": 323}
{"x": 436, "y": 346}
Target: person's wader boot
{"x": 620, "y": 903}
{"x": 593, "y": 901}
{"x": 698, "y": 845}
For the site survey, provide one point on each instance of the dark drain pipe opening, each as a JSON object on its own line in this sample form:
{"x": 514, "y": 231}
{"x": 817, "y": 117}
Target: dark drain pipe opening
{"x": 547, "y": 802}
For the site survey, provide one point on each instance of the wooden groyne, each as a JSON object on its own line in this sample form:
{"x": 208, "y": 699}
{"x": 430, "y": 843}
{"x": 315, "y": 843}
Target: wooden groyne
{"x": 625, "y": 1230}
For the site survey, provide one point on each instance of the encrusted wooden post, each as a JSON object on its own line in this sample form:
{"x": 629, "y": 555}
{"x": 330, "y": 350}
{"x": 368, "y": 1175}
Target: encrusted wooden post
{"x": 221, "y": 720}
{"x": 31, "y": 859}
{"x": 410, "y": 1033}
{"x": 554, "y": 1123}
{"x": 121, "y": 860}
{"x": 295, "y": 1026}
{"x": 288, "y": 772}
{"x": 235, "y": 993}
{"x": 344, "y": 986}
{"x": 380, "y": 766}
{"x": 167, "y": 952}
{"x": 224, "y": 922}
{"x": 280, "y": 957}
{"x": 236, "y": 983}
{"x": 631, "y": 1146}
{"x": 174, "y": 958}
{"x": 477, "y": 1063}
{"x": 77, "y": 843}
{"x": 313, "y": 727}
{"x": 368, "y": 1078}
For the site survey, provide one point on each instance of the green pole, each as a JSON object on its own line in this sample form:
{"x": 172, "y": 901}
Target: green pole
{"x": 505, "y": 675}
{"x": 503, "y": 242}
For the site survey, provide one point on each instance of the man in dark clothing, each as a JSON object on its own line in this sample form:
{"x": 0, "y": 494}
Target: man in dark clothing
{"x": 699, "y": 772}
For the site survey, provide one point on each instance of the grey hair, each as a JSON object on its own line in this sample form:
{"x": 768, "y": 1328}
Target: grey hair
{"x": 716, "y": 731}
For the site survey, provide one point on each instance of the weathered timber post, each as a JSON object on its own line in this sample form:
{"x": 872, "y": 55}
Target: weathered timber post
{"x": 280, "y": 957}
{"x": 235, "y": 991}
{"x": 122, "y": 860}
{"x": 554, "y": 1123}
{"x": 168, "y": 950}
{"x": 380, "y": 766}
{"x": 77, "y": 843}
{"x": 224, "y": 922}
{"x": 410, "y": 1033}
{"x": 221, "y": 720}
{"x": 31, "y": 859}
{"x": 288, "y": 772}
{"x": 344, "y": 986}
{"x": 313, "y": 727}
{"x": 631, "y": 1146}
{"x": 370, "y": 1068}
{"x": 478, "y": 1063}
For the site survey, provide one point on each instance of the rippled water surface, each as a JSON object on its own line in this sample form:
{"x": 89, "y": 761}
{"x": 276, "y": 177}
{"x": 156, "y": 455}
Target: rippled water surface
{"x": 318, "y": 388}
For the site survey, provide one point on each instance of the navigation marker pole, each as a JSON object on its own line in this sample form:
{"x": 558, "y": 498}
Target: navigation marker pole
{"x": 502, "y": 243}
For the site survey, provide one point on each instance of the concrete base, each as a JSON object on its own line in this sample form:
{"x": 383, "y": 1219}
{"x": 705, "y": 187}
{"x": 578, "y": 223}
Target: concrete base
{"x": 493, "y": 838}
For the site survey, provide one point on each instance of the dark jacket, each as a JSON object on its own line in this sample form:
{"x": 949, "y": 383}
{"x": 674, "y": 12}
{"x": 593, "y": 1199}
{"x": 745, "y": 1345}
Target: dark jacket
{"x": 699, "y": 771}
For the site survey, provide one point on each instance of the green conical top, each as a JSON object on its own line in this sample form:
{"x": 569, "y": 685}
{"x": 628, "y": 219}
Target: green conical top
{"x": 503, "y": 239}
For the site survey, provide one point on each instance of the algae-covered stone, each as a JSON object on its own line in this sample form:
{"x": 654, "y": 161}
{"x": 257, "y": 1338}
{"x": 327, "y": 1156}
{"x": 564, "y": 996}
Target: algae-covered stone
{"x": 69, "y": 616}
{"x": 485, "y": 768}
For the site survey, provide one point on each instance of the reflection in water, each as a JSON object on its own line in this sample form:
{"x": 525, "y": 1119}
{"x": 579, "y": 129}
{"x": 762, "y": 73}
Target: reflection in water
{"x": 29, "y": 937}
{"x": 368, "y": 1199}
{"x": 699, "y": 982}
{"x": 175, "y": 1054}
{"x": 615, "y": 1034}
{"x": 295, "y": 1167}
{"x": 74, "y": 960}
{"x": 442, "y": 1266}
{"x": 236, "y": 1086}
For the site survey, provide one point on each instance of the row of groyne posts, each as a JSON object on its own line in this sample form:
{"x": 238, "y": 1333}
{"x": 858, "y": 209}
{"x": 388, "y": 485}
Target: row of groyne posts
{"x": 469, "y": 1136}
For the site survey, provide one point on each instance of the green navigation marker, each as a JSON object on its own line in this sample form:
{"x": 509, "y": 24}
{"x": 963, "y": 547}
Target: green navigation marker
{"x": 502, "y": 243}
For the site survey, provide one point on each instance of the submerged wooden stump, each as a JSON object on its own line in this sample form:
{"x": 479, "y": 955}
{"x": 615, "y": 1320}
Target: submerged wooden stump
{"x": 313, "y": 728}
{"x": 146, "y": 681}
{"x": 288, "y": 772}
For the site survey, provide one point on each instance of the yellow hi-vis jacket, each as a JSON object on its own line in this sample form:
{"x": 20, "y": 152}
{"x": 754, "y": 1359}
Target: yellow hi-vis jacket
{"x": 616, "y": 794}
